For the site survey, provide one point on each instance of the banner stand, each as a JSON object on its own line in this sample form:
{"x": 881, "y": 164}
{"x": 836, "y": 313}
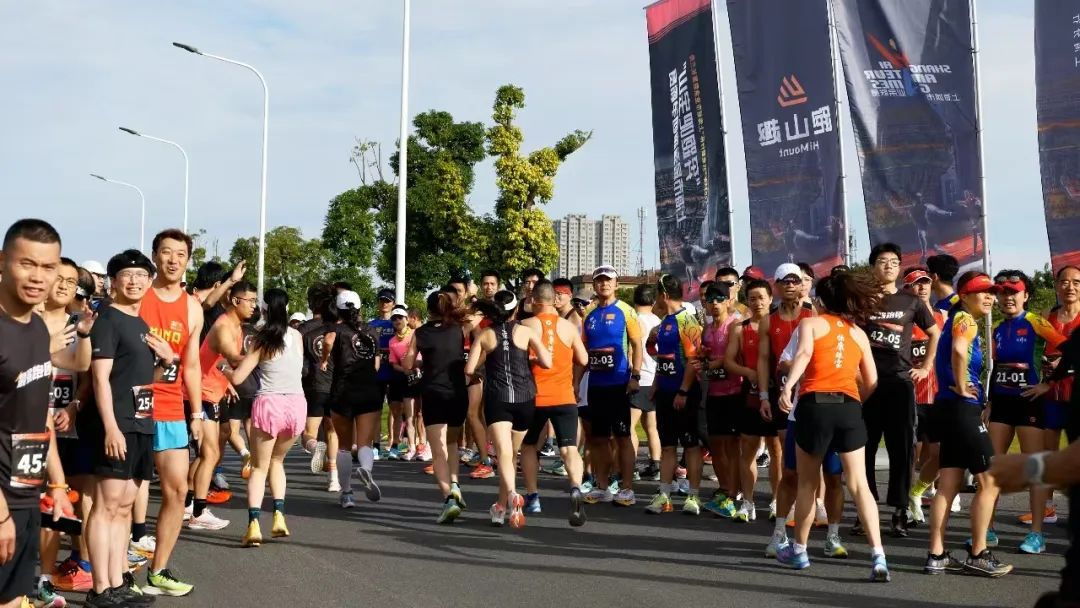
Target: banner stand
{"x": 838, "y": 72}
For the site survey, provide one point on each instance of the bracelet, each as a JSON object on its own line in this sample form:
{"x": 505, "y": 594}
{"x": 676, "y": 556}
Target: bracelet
{"x": 82, "y": 335}
{"x": 59, "y": 486}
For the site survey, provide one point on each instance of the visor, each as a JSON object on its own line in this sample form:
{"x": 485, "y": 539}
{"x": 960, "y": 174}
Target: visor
{"x": 980, "y": 284}
{"x": 915, "y": 276}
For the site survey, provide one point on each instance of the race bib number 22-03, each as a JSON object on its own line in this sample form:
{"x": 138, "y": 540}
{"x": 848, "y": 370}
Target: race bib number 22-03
{"x": 602, "y": 360}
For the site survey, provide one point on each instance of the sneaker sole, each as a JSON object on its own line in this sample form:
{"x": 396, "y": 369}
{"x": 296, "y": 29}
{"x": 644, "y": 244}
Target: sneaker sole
{"x": 799, "y": 566}
{"x": 842, "y": 554}
{"x": 371, "y": 489}
{"x": 985, "y": 573}
{"x": 577, "y": 512}
{"x": 1028, "y": 552}
{"x": 318, "y": 458}
{"x": 152, "y": 590}
{"x": 878, "y": 576}
{"x": 208, "y": 528}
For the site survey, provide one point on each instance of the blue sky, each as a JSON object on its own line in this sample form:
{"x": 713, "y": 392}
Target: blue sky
{"x": 75, "y": 71}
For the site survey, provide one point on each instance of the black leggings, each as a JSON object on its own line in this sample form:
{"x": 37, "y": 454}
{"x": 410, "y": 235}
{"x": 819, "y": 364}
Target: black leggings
{"x": 890, "y": 412}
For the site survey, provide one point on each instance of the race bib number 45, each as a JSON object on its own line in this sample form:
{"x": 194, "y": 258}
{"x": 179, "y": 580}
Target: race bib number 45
{"x": 602, "y": 360}
{"x": 29, "y": 457}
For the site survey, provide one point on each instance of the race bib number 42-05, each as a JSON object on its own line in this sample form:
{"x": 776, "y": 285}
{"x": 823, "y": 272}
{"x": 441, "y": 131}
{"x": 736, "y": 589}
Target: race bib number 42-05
{"x": 665, "y": 365}
{"x": 884, "y": 337}
{"x": 144, "y": 401}
{"x": 602, "y": 360}
{"x": 29, "y": 457}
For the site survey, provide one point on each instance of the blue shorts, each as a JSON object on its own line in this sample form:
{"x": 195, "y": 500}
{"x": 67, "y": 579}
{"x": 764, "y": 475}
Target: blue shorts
{"x": 831, "y": 464}
{"x": 1056, "y": 415}
{"x": 171, "y": 435}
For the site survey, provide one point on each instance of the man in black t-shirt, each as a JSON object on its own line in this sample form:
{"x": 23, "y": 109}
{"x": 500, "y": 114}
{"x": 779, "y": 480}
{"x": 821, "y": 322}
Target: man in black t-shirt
{"x": 127, "y": 359}
{"x": 29, "y": 261}
{"x": 317, "y": 385}
{"x": 890, "y": 410}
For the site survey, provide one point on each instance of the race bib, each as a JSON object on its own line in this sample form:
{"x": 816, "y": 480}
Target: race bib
{"x": 716, "y": 374}
{"x": 665, "y": 365}
{"x": 918, "y": 353}
{"x": 602, "y": 360}
{"x": 144, "y": 401}
{"x": 884, "y": 337}
{"x": 413, "y": 377}
{"x": 63, "y": 390}
{"x": 1011, "y": 375}
{"x": 29, "y": 457}
{"x": 170, "y": 373}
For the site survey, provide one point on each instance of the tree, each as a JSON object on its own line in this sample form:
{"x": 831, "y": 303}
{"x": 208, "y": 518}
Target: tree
{"x": 293, "y": 263}
{"x": 520, "y": 234}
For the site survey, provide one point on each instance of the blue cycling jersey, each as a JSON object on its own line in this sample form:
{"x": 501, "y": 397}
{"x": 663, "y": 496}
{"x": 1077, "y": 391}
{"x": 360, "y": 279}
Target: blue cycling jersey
{"x": 385, "y": 329}
{"x": 1015, "y": 341}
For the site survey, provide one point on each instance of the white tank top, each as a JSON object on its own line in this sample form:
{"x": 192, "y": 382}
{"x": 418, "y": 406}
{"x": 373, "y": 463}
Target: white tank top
{"x": 281, "y": 374}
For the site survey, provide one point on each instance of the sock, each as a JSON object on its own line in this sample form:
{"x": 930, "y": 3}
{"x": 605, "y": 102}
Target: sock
{"x": 190, "y": 497}
{"x": 799, "y": 548}
{"x": 279, "y": 505}
{"x": 367, "y": 457}
{"x": 879, "y": 550}
{"x": 781, "y": 526}
{"x": 454, "y": 487}
{"x": 344, "y": 470}
{"x": 138, "y": 531}
{"x": 244, "y": 452}
{"x": 84, "y": 565}
{"x": 253, "y": 514}
{"x": 45, "y": 578}
{"x": 198, "y": 507}
{"x": 834, "y": 529}
{"x": 919, "y": 488}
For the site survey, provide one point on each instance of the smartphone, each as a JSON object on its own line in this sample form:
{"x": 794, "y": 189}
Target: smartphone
{"x": 74, "y": 318}
{"x": 68, "y": 525}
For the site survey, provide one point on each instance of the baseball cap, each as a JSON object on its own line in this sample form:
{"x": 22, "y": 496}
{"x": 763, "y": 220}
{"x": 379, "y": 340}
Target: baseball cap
{"x": 94, "y": 267}
{"x": 605, "y": 271}
{"x": 347, "y": 299}
{"x": 386, "y": 295}
{"x": 753, "y": 272}
{"x": 400, "y": 310}
{"x": 979, "y": 284}
{"x": 915, "y": 276}
{"x": 297, "y": 316}
{"x": 787, "y": 269}
{"x": 129, "y": 258}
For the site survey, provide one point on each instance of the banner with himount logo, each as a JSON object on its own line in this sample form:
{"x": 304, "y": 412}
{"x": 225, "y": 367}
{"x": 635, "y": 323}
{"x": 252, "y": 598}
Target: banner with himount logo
{"x": 1057, "y": 99}
{"x": 911, "y": 83}
{"x": 787, "y": 97}
{"x": 693, "y": 220}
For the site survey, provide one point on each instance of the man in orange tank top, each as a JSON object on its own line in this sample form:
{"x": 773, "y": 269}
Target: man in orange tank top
{"x": 555, "y": 400}
{"x": 177, "y": 318}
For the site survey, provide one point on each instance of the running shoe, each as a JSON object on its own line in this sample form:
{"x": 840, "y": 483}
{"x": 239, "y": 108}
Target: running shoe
{"x": 587, "y": 486}
{"x": 207, "y": 521}
{"x": 380, "y": 454}
{"x": 746, "y": 513}
{"x": 1034, "y": 543}
{"x": 188, "y": 511}
{"x": 915, "y": 509}
{"x": 253, "y": 536}
{"x": 613, "y": 487}
{"x": 491, "y": 450}
{"x": 763, "y": 461}
{"x": 219, "y": 481}
{"x": 821, "y": 517}
{"x": 598, "y": 495}
{"x": 727, "y": 509}
{"x": 692, "y": 505}
{"x": 163, "y": 582}
{"x": 410, "y": 455}
{"x": 713, "y": 506}
{"x": 109, "y": 598}
{"x": 532, "y": 503}
{"x": 834, "y": 547}
{"x": 515, "y": 504}
{"x": 899, "y": 524}
{"x": 625, "y": 498}
{"x": 942, "y": 564}
{"x": 393, "y": 454}
{"x": 857, "y": 529}
{"x": 548, "y": 450}
{"x": 347, "y": 501}
{"x": 71, "y": 577}
{"x": 246, "y": 466}
{"x": 556, "y": 468}
{"x": 879, "y": 572}
{"x": 131, "y": 593}
{"x": 334, "y": 485}
{"x": 788, "y": 558}
{"x": 955, "y": 508}
{"x": 482, "y": 471}
{"x": 135, "y": 560}
{"x": 772, "y": 510}
{"x": 423, "y": 453}
{"x": 650, "y": 472}
{"x": 145, "y": 545}
{"x": 455, "y": 493}
{"x": 498, "y": 515}
{"x": 985, "y": 564}
{"x": 430, "y": 469}
{"x": 682, "y": 487}
{"x": 218, "y": 497}
{"x": 45, "y": 596}
{"x": 371, "y": 489}
{"x": 318, "y": 457}
{"x": 471, "y": 458}
{"x": 706, "y": 456}
{"x": 450, "y": 511}
{"x": 778, "y": 541}
{"x": 577, "y": 508}
{"x": 660, "y": 503}
{"x": 279, "y": 529}
{"x": 1050, "y": 515}
{"x": 992, "y": 539}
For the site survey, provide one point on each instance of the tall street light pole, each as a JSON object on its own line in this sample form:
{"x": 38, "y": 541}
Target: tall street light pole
{"x": 142, "y": 207}
{"x": 403, "y": 157}
{"x": 265, "y": 141}
{"x": 187, "y": 165}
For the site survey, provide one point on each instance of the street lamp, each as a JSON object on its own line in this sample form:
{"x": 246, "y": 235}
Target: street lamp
{"x": 265, "y": 137}
{"x": 142, "y": 207}
{"x": 187, "y": 165}
{"x": 403, "y": 161}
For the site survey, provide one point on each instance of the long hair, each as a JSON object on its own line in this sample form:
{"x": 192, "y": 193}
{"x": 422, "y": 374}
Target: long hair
{"x": 351, "y": 316}
{"x": 270, "y": 338}
{"x": 441, "y": 307}
{"x": 854, "y": 294}
{"x": 495, "y": 309}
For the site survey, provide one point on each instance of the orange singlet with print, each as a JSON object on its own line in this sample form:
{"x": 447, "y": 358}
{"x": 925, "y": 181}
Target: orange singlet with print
{"x": 168, "y": 321}
{"x": 834, "y": 366}
{"x": 554, "y": 386}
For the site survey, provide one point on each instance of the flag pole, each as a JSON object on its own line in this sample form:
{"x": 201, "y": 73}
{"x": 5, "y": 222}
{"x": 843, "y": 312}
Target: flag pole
{"x": 834, "y": 44}
{"x": 979, "y": 135}
{"x": 724, "y": 130}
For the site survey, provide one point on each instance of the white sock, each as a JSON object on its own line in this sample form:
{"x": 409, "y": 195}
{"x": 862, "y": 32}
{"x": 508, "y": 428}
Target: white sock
{"x": 878, "y": 551}
{"x": 799, "y": 548}
{"x": 366, "y": 456}
{"x": 781, "y": 526}
{"x": 344, "y": 470}
{"x": 834, "y": 529}
{"x": 244, "y": 452}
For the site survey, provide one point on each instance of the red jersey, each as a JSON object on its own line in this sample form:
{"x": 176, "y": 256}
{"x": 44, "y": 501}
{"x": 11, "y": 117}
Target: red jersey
{"x": 168, "y": 321}
{"x": 924, "y": 389}
{"x": 780, "y": 331}
{"x": 1059, "y": 391}
{"x": 749, "y": 356}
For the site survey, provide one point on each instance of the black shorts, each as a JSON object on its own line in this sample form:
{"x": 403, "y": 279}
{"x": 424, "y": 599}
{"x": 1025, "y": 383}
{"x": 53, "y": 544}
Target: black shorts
{"x": 679, "y": 427}
{"x": 399, "y": 388}
{"x": 829, "y": 422}
{"x": 18, "y": 576}
{"x": 1015, "y": 410}
{"x": 779, "y": 416}
{"x": 75, "y": 455}
{"x": 640, "y": 400}
{"x": 318, "y": 404}
{"x": 749, "y": 420}
{"x": 924, "y": 424}
{"x": 352, "y": 404}
{"x": 609, "y": 411}
{"x": 722, "y": 414}
{"x": 440, "y": 409}
{"x": 214, "y": 412}
{"x": 965, "y": 442}
{"x": 563, "y": 419}
{"x": 519, "y": 415}
{"x": 237, "y": 410}
{"x": 138, "y": 462}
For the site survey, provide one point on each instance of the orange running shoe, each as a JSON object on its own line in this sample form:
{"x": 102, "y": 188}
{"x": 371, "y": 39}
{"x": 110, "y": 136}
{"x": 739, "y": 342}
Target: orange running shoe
{"x": 245, "y": 469}
{"x": 430, "y": 469}
{"x": 218, "y": 497}
{"x": 482, "y": 472}
{"x": 1049, "y": 516}
{"x": 517, "y": 516}
{"x": 70, "y": 577}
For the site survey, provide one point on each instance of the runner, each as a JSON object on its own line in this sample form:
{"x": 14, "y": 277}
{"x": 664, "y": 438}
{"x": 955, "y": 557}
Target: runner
{"x": 676, "y": 346}
{"x": 564, "y": 296}
{"x": 724, "y": 400}
{"x": 615, "y": 354}
{"x": 1016, "y": 394}
{"x": 317, "y": 384}
{"x": 211, "y": 285}
{"x": 356, "y": 394}
{"x": 942, "y": 269}
{"x": 403, "y": 388}
{"x": 127, "y": 360}
{"x": 529, "y": 278}
{"x": 509, "y": 391}
{"x": 835, "y": 356}
{"x": 476, "y": 428}
{"x": 278, "y": 413}
{"x": 556, "y": 402}
{"x": 423, "y": 452}
{"x": 177, "y": 318}
{"x": 238, "y": 410}
{"x": 29, "y": 263}
{"x": 490, "y": 282}
{"x": 441, "y": 343}
{"x": 642, "y": 407}
{"x": 965, "y": 444}
{"x": 384, "y": 328}
{"x": 890, "y": 411}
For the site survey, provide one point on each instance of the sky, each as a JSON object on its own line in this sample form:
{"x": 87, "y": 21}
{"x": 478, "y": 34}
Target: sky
{"x": 74, "y": 71}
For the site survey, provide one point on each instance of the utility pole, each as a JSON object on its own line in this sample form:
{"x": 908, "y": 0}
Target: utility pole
{"x": 641, "y": 215}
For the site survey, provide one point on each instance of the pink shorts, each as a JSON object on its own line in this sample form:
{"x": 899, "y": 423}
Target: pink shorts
{"x": 279, "y": 415}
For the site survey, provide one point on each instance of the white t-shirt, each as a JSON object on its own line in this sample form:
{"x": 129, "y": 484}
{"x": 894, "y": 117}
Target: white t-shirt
{"x": 789, "y": 355}
{"x": 648, "y": 321}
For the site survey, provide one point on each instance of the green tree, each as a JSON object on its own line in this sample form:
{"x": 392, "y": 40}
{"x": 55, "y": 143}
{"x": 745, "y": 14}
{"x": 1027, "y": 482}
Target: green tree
{"x": 293, "y": 263}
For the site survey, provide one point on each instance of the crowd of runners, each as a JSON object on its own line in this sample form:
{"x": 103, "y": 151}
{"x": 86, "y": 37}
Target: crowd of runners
{"x": 118, "y": 375}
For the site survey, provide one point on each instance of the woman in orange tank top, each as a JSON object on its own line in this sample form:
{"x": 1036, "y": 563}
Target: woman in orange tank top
{"x": 836, "y": 369}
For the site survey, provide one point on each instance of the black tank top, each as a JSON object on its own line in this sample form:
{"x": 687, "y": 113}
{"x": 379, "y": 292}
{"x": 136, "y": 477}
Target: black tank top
{"x": 508, "y": 376}
{"x": 442, "y": 348}
{"x": 354, "y": 353}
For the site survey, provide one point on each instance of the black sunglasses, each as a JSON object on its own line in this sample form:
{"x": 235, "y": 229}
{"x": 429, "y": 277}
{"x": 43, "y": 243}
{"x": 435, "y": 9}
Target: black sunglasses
{"x": 714, "y": 299}
{"x": 1012, "y": 278}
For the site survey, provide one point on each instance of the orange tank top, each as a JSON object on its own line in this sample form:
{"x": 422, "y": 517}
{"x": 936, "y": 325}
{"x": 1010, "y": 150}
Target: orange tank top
{"x": 214, "y": 383}
{"x": 554, "y": 386}
{"x": 834, "y": 366}
{"x": 168, "y": 321}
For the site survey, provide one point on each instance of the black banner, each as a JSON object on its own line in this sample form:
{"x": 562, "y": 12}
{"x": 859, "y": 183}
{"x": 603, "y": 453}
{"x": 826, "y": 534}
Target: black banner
{"x": 692, "y": 208}
{"x": 911, "y": 83}
{"x": 1057, "y": 90}
{"x": 787, "y": 97}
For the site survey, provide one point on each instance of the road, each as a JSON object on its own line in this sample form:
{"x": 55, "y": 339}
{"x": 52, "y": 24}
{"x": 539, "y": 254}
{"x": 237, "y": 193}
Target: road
{"x": 392, "y": 553}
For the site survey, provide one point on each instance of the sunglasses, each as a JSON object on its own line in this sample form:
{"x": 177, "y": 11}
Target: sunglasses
{"x": 790, "y": 281}
{"x": 1012, "y": 278}
{"x": 579, "y": 303}
{"x": 716, "y": 299}
{"x": 728, "y": 283}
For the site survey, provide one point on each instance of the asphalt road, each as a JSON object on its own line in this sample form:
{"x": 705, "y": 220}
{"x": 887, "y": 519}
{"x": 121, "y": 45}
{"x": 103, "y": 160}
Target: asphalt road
{"x": 392, "y": 553}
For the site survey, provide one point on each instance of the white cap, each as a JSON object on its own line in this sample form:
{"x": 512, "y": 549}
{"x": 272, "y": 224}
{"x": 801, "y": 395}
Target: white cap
{"x": 347, "y": 299}
{"x": 688, "y": 307}
{"x": 605, "y": 271}
{"x": 787, "y": 269}
{"x": 399, "y": 311}
{"x": 94, "y": 267}
{"x": 297, "y": 316}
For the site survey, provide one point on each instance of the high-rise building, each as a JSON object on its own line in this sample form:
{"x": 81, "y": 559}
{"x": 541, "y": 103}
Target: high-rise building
{"x": 585, "y": 244}
{"x": 613, "y": 243}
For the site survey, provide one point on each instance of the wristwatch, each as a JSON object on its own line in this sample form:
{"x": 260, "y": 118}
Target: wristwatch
{"x": 763, "y": 395}
{"x": 681, "y": 393}
{"x": 1034, "y": 468}
{"x": 635, "y": 377}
